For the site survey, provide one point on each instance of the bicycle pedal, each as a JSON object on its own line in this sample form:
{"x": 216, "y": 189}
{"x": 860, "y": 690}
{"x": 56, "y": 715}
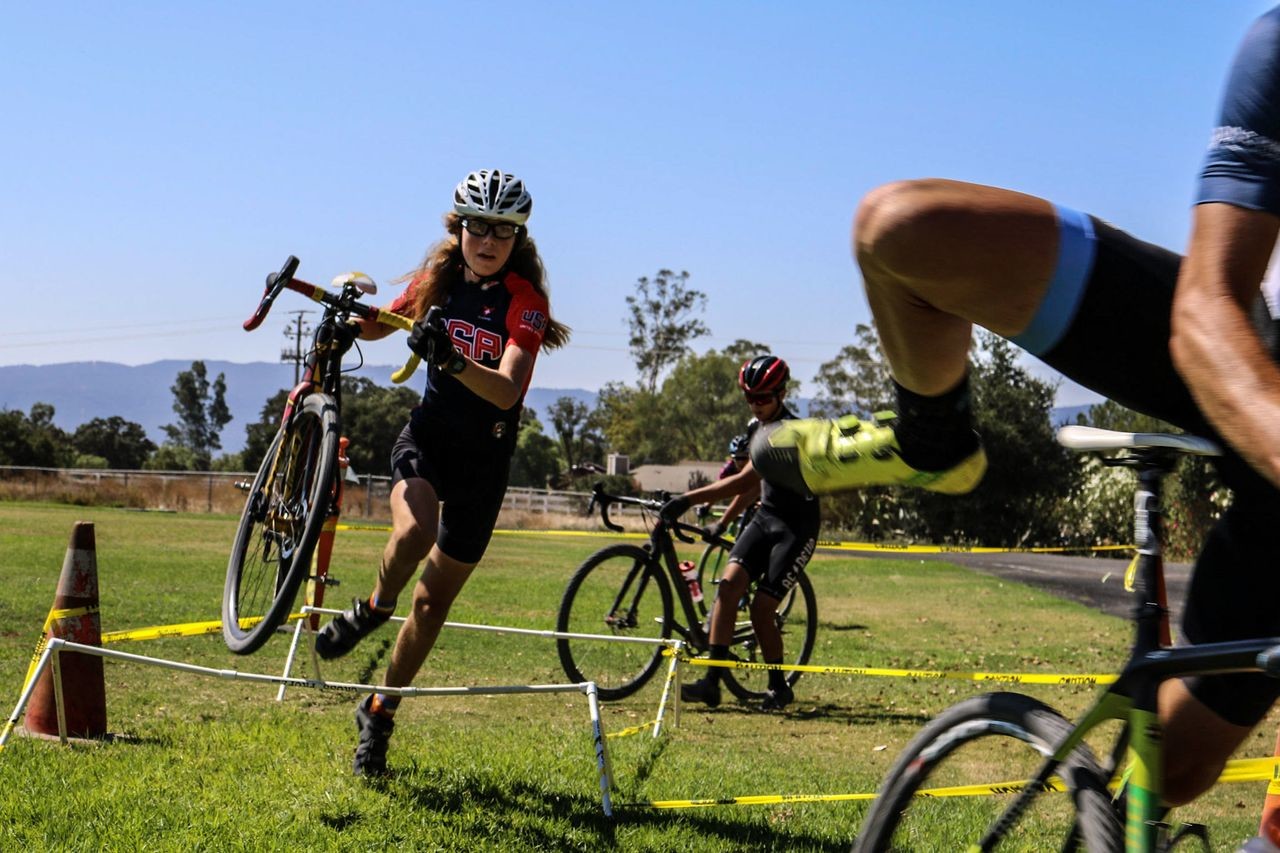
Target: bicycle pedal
{"x": 1166, "y": 842}
{"x": 327, "y": 580}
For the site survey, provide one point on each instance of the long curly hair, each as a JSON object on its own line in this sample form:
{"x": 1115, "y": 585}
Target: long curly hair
{"x": 442, "y": 269}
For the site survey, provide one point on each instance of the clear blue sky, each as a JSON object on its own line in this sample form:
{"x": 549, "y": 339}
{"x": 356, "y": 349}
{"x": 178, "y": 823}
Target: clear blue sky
{"x": 160, "y": 158}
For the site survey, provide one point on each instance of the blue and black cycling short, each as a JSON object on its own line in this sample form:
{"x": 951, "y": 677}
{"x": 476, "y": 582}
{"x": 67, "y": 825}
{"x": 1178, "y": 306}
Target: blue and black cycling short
{"x": 1105, "y": 323}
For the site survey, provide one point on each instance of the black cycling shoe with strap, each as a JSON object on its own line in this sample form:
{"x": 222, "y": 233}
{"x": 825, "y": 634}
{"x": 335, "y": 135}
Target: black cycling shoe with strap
{"x": 703, "y": 690}
{"x": 375, "y": 732}
{"x": 348, "y": 628}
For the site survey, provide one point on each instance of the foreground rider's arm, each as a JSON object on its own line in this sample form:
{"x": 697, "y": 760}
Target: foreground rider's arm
{"x": 740, "y": 482}
{"x": 502, "y": 386}
{"x": 1213, "y": 344}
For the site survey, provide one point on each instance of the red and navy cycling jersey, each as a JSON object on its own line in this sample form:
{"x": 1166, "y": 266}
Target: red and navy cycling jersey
{"x": 483, "y": 320}
{"x": 1243, "y": 164}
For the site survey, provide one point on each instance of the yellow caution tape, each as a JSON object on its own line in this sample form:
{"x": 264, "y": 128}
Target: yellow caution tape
{"x": 189, "y": 629}
{"x": 834, "y": 544}
{"x": 55, "y": 615}
{"x": 1002, "y": 677}
{"x": 1237, "y": 770}
{"x": 633, "y": 730}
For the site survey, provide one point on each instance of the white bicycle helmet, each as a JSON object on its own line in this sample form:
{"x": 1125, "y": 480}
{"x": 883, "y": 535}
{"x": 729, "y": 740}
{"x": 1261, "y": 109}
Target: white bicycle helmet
{"x": 492, "y": 194}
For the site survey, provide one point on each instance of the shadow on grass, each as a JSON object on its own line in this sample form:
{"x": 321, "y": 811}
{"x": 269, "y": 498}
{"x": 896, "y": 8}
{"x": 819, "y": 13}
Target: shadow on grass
{"x": 703, "y": 822}
{"x": 531, "y": 816}
{"x": 464, "y": 794}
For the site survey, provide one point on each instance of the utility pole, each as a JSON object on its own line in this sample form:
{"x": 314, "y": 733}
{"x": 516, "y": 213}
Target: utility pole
{"x": 295, "y": 331}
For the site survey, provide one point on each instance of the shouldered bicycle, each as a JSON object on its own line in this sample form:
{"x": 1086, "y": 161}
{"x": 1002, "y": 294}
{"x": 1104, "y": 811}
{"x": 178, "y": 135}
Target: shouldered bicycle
{"x": 626, "y": 590}
{"x": 921, "y": 803}
{"x": 297, "y": 492}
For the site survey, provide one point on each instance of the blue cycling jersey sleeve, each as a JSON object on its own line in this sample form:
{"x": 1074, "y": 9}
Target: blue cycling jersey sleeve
{"x": 1243, "y": 163}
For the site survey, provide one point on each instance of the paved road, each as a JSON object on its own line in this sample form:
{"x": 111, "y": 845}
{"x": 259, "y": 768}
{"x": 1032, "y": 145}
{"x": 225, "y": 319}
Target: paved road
{"x": 1094, "y": 581}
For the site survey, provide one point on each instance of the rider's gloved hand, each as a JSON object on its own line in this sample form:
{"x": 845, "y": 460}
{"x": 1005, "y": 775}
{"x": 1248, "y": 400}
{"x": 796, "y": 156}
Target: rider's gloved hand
{"x": 713, "y": 531}
{"x": 430, "y": 339}
{"x": 346, "y": 334}
{"x": 674, "y": 508}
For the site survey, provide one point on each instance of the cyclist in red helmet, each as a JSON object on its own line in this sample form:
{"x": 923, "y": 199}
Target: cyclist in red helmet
{"x": 772, "y": 550}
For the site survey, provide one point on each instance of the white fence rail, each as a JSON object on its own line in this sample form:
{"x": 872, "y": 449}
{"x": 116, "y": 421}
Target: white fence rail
{"x": 216, "y": 491}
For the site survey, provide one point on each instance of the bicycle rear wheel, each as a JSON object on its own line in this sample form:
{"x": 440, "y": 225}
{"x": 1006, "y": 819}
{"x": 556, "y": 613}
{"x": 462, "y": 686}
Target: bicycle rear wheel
{"x": 994, "y": 743}
{"x": 282, "y": 519}
{"x": 711, "y": 565}
{"x": 796, "y": 618}
{"x": 617, "y": 592}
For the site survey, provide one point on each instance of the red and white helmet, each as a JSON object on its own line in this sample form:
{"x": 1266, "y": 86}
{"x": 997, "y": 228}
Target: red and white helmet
{"x": 764, "y": 374}
{"x": 491, "y": 194}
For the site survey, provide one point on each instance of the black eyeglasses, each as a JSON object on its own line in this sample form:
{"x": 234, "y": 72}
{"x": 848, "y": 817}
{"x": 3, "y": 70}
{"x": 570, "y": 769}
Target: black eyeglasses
{"x": 481, "y": 227}
{"x": 761, "y": 399}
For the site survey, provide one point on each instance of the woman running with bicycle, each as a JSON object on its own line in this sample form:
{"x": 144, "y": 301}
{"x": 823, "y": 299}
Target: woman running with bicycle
{"x": 484, "y": 288}
{"x": 773, "y": 549}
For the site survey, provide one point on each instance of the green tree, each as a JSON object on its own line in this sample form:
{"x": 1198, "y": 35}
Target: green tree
{"x": 702, "y": 406}
{"x": 202, "y": 412}
{"x": 259, "y": 434}
{"x": 537, "y": 457}
{"x": 662, "y": 324}
{"x": 632, "y": 422}
{"x": 856, "y": 381}
{"x": 578, "y": 432}
{"x": 34, "y": 439}
{"x": 372, "y": 418}
{"x": 122, "y": 443}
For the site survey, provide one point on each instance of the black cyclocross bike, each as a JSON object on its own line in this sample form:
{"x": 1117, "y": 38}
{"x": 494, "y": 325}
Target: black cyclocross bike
{"x": 297, "y": 486}
{"x": 976, "y": 777}
{"x": 625, "y": 591}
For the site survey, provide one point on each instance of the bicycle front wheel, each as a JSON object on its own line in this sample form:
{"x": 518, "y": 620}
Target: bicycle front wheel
{"x": 797, "y": 620}
{"x": 280, "y": 525}
{"x": 618, "y": 596}
{"x": 960, "y": 772}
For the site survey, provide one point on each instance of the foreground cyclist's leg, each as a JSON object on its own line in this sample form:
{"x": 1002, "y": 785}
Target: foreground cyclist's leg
{"x": 414, "y": 522}
{"x": 936, "y": 257}
{"x": 1197, "y": 743}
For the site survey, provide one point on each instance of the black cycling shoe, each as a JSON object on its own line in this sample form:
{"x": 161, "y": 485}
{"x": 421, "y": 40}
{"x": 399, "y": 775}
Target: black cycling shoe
{"x": 348, "y": 628}
{"x": 704, "y": 691}
{"x": 776, "y": 700}
{"x": 375, "y": 733}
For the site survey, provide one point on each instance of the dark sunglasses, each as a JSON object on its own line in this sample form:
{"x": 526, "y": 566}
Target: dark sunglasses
{"x": 761, "y": 399}
{"x": 481, "y": 227}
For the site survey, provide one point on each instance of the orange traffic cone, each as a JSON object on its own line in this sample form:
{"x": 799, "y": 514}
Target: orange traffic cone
{"x": 74, "y": 617}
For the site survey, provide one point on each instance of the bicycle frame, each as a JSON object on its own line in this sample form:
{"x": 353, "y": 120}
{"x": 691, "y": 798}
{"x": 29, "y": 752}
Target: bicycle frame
{"x": 322, "y": 378}
{"x": 1132, "y": 697}
{"x": 662, "y": 555}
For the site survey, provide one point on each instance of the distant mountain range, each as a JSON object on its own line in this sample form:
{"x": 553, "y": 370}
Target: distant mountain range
{"x": 82, "y": 391}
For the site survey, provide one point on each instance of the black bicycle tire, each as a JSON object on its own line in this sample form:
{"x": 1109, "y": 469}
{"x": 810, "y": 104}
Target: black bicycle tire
{"x": 565, "y": 622}
{"x": 804, "y": 588}
{"x": 1012, "y": 715}
{"x": 323, "y": 410}
{"x": 708, "y": 576}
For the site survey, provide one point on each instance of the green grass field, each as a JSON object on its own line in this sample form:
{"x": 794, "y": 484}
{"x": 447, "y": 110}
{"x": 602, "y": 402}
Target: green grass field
{"x": 204, "y": 763}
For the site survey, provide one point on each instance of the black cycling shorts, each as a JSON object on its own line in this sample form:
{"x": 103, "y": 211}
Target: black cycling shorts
{"x": 468, "y": 475}
{"x": 774, "y": 552}
{"x": 1117, "y": 343}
